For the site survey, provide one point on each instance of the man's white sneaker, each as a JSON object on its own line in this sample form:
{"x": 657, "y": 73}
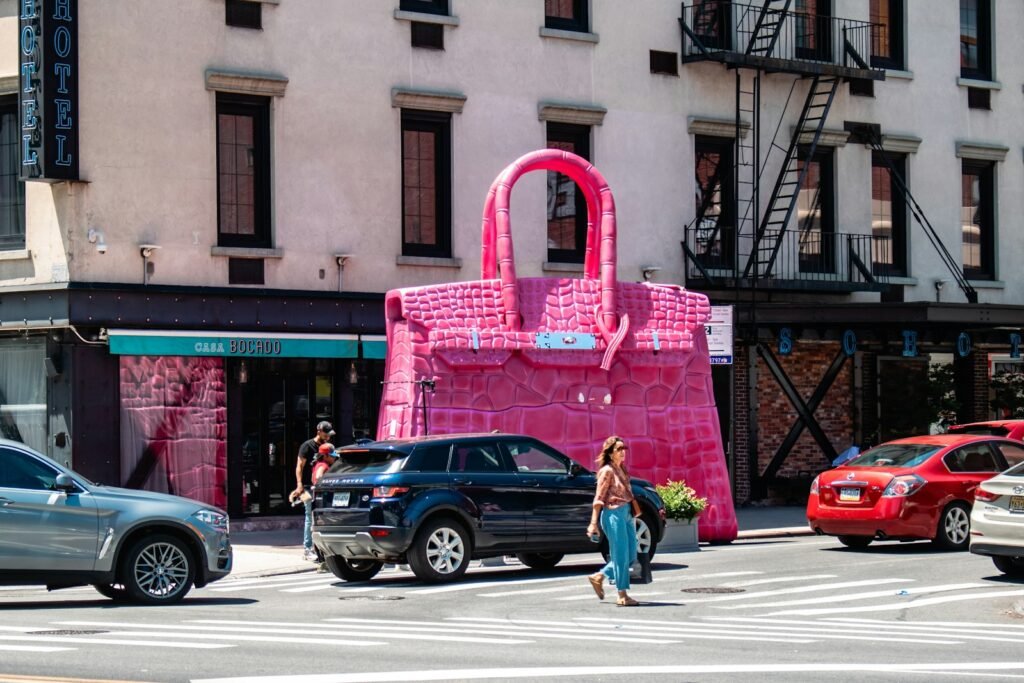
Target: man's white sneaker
{"x": 310, "y": 556}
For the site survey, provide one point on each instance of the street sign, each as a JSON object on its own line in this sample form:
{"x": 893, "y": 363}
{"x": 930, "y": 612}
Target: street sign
{"x": 719, "y": 333}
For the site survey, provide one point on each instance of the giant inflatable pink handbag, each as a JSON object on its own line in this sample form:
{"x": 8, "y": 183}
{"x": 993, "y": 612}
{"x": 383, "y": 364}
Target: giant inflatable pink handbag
{"x": 569, "y": 361}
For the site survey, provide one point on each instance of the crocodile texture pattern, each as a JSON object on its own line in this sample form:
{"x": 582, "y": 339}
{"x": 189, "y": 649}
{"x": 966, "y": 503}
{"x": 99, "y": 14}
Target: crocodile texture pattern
{"x": 488, "y": 373}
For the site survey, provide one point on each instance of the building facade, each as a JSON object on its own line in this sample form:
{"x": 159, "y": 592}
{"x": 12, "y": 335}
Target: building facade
{"x": 202, "y": 204}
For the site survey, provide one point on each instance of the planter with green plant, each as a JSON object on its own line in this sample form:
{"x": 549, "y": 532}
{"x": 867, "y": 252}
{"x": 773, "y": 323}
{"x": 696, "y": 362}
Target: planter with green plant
{"x": 682, "y": 507}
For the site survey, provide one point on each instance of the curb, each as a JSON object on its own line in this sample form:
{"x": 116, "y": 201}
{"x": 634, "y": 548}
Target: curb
{"x": 783, "y": 532}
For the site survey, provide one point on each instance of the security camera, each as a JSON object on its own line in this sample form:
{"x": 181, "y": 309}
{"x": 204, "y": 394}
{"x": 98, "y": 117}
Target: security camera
{"x": 101, "y": 247}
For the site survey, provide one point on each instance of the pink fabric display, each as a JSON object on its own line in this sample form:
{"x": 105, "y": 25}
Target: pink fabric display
{"x": 567, "y": 360}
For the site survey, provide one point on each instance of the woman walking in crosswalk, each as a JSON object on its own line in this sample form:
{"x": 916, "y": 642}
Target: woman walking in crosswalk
{"x": 614, "y": 508}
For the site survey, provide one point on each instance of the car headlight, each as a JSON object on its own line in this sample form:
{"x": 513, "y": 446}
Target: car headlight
{"x": 212, "y": 518}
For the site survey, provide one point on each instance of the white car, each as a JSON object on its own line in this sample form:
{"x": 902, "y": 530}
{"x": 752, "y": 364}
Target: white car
{"x": 997, "y": 521}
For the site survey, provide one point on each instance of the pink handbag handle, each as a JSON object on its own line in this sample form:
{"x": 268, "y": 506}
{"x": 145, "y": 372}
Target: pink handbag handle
{"x": 496, "y": 242}
{"x": 488, "y": 257}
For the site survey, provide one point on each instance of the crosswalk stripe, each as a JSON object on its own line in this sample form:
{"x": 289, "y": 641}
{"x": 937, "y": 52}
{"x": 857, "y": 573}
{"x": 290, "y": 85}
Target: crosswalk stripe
{"x": 922, "y": 590}
{"x": 901, "y": 604}
{"x": 931, "y": 624}
{"x": 882, "y": 628}
{"x": 333, "y": 584}
{"x": 32, "y": 648}
{"x": 471, "y": 585}
{"x": 298, "y": 576}
{"x": 77, "y": 640}
{"x": 308, "y": 581}
{"x": 801, "y": 589}
{"x": 531, "y": 591}
{"x": 786, "y": 579}
{"x": 778, "y": 633}
{"x": 271, "y": 637}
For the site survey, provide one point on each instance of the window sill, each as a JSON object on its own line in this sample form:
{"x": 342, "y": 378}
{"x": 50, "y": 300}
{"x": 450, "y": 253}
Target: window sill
{"x": 16, "y": 255}
{"x": 425, "y": 18}
{"x": 429, "y": 261}
{"x": 899, "y": 74}
{"x": 561, "y": 267}
{"x": 578, "y": 36}
{"x": 987, "y": 284}
{"x": 246, "y": 252}
{"x": 975, "y": 83}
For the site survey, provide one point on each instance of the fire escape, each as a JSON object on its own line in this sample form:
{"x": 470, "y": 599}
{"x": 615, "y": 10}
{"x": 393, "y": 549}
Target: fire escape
{"x": 775, "y": 242}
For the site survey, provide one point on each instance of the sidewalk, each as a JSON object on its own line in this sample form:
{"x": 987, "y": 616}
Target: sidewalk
{"x": 274, "y": 546}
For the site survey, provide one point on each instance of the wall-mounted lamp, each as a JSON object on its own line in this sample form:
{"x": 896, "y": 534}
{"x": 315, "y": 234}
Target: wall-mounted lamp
{"x": 649, "y": 271}
{"x": 939, "y": 284}
{"x": 96, "y": 237}
{"x": 146, "y": 252}
{"x": 243, "y": 373}
{"x": 341, "y": 259}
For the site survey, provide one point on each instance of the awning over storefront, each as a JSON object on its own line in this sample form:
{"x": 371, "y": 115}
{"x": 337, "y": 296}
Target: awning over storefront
{"x": 247, "y": 344}
{"x": 374, "y": 346}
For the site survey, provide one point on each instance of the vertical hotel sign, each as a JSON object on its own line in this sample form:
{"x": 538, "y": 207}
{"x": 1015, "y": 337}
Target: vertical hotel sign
{"x": 48, "y": 96}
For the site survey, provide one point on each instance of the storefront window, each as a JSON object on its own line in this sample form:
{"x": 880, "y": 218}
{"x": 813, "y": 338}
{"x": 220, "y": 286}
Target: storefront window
{"x": 174, "y": 426}
{"x": 23, "y": 392}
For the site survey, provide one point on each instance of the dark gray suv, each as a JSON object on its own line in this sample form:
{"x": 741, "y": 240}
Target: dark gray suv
{"x": 59, "y": 529}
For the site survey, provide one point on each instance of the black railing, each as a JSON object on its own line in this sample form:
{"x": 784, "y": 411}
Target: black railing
{"x": 714, "y": 27}
{"x": 812, "y": 258}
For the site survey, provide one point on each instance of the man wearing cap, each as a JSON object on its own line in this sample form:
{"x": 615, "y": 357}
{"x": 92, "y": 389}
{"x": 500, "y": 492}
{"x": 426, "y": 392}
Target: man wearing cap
{"x": 303, "y": 480}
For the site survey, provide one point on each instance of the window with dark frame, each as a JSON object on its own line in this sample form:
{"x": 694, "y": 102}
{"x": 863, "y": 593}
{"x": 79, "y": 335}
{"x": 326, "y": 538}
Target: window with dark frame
{"x": 664, "y": 63}
{"x": 243, "y": 171}
{"x": 245, "y": 271}
{"x": 711, "y": 23}
{"x": 12, "y": 190}
{"x": 976, "y": 39}
{"x": 977, "y": 211}
{"x": 715, "y": 224}
{"x": 888, "y": 217}
{"x": 815, "y": 212}
{"x": 567, "y": 207}
{"x": 425, "y": 6}
{"x": 430, "y": 36}
{"x": 243, "y": 13}
{"x": 567, "y": 15}
{"x": 979, "y": 98}
{"x": 887, "y": 19}
{"x": 426, "y": 183}
{"x": 814, "y": 30}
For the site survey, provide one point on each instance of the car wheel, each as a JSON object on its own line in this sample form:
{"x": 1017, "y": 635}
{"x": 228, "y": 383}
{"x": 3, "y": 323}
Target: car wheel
{"x": 540, "y": 560}
{"x": 114, "y": 591}
{"x": 855, "y": 541}
{"x": 440, "y": 552}
{"x": 954, "y": 532}
{"x": 352, "y": 570}
{"x": 158, "y": 569}
{"x": 645, "y": 542}
{"x": 1011, "y": 566}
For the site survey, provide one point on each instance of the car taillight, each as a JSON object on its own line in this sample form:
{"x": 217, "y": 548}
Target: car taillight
{"x": 903, "y": 486}
{"x": 380, "y": 533}
{"x": 985, "y": 496}
{"x": 814, "y": 487}
{"x": 389, "y": 491}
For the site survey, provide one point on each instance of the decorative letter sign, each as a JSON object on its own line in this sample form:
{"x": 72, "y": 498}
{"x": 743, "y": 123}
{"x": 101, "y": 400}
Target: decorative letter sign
{"x": 785, "y": 341}
{"x": 909, "y": 343}
{"x": 48, "y": 101}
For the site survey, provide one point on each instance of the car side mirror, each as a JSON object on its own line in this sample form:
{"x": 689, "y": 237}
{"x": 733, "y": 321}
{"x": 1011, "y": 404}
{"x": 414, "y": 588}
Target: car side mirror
{"x": 65, "y": 483}
{"x": 575, "y": 469}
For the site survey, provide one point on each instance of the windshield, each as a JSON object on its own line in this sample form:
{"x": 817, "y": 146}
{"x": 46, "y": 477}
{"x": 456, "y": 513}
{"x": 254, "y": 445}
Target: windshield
{"x": 367, "y": 462}
{"x": 895, "y": 455}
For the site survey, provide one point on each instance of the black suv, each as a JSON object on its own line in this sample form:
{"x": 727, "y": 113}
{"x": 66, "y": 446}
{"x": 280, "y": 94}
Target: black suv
{"x": 437, "y": 502}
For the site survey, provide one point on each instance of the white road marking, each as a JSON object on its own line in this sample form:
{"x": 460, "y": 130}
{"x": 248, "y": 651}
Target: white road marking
{"x": 724, "y": 574}
{"x": 858, "y": 596}
{"x": 32, "y": 648}
{"x": 76, "y": 640}
{"x": 532, "y": 591}
{"x": 320, "y": 587}
{"x": 883, "y": 628}
{"x": 932, "y": 624}
{"x": 802, "y": 589}
{"x": 307, "y": 581}
{"x": 485, "y": 584}
{"x": 538, "y": 673}
{"x": 901, "y": 604}
{"x": 787, "y": 579}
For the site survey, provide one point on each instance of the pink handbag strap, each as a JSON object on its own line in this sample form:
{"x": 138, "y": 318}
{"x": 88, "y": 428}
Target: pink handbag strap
{"x": 500, "y": 247}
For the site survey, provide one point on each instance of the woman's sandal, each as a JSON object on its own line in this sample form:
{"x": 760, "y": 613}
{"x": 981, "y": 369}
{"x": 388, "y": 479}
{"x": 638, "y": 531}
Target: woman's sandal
{"x": 597, "y": 583}
{"x": 626, "y": 602}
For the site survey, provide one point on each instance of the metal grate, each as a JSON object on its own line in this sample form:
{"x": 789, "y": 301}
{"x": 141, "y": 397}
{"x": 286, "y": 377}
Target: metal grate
{"x": 371, "y": 598}
{"x": 65, "y": 632}
{"x": 713, "y": 589}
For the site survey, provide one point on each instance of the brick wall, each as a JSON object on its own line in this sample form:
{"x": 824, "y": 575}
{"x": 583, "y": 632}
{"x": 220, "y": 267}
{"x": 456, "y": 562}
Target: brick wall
{"x": 741, "y": 426}
{"x": 805, "y": 367}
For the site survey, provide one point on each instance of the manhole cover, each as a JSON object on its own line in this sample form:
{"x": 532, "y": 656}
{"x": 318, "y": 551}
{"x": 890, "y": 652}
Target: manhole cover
{"x": 371, "y": 598}
{"x": 65, "y": 632}
{"x": 712, "y": 589}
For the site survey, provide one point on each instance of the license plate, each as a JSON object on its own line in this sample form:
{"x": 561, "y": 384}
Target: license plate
{"x": 849, "y": 493}
{"x": 1016, "y": 503}
{"x": 340, "y": 500}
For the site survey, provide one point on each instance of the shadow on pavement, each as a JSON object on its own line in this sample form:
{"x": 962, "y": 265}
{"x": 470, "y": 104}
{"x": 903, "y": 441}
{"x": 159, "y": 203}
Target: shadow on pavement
{"x": 104, "y": 603}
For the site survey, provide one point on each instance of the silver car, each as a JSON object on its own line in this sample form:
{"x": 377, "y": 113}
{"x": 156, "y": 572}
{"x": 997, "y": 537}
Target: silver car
{"x": 997, "y": 521}
{"x": 58, "y": 528}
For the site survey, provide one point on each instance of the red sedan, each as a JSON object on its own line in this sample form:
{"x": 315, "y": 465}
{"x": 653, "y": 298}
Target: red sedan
{"x": 1011, "y": 429}
{"x": 909, "y": 489}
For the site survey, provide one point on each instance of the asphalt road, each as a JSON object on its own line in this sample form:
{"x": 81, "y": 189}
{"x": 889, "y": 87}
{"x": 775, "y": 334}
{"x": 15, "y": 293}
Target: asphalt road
{"x": 798, "y": 609}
